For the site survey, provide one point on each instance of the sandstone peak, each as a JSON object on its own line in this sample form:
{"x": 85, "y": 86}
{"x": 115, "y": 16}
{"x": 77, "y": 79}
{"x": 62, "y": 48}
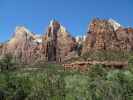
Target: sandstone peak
{"x": 108, "y": 35}
{"x": 21, "y": 34}
{"x": 56, "y": 26}
{"x": 104, "y": 24}
{"x": 100, "y": 25}
{"x": 114, "y": 23}
{"x": 58, "y": 42}
{"x": 21, "y": 30}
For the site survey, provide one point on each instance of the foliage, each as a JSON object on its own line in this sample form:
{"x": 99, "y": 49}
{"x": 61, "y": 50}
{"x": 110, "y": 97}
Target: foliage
{"x": 76, "y": 87}
{"x": 51, "y": 82}
{"x": 7, "y": 62}
{"x": 130, "y": 62}
{"x": 106, "y": 55}
{"x": 96, "y": 84}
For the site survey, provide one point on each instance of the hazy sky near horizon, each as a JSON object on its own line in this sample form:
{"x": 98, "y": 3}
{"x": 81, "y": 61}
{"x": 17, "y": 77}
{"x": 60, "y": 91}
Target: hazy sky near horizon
{"x": 75, "y": 15}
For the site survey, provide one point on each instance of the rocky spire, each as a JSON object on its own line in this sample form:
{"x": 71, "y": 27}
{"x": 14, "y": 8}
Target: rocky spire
{"x": 59, "y": 43}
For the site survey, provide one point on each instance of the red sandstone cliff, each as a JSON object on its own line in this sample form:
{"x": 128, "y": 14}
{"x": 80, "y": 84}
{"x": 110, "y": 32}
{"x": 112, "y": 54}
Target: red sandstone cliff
{"x": 104, "y": 35}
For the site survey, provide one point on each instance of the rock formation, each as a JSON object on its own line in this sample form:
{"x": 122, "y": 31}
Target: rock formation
{"x": 55, "y": 45}
{"x": 24, "y": 46}
{"x": 58, "y": 41}
{"x": 108, "y": 35}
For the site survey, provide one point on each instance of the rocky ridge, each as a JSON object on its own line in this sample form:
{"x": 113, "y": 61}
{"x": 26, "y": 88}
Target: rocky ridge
{"x": 105, "y": 35}
{"x": 55, "y": 45}
{"x": 58, "y": 45}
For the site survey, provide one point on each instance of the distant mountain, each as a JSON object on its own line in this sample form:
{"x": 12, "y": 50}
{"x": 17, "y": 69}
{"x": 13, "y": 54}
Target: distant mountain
{"x": 80, "y": 38}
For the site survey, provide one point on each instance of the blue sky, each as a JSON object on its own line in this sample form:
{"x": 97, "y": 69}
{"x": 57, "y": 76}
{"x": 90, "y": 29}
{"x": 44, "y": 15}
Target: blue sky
{"x": 73, "y": 14}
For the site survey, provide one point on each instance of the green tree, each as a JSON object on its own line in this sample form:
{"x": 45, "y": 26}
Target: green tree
{"x": 7, "y": 63}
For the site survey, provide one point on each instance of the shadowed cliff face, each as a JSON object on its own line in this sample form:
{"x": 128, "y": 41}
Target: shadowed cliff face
{"x": 104, "y": 35}
{"x": 52, "y": 43}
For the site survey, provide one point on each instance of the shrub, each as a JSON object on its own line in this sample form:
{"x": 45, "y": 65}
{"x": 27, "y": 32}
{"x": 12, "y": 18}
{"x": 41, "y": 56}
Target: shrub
{"x": 97, "y": 71}
{"x": 7, "y": 62}
{"x": 76, "y": 87}
{"x": 106, "y": 55}
{"x": 52, "y": 83}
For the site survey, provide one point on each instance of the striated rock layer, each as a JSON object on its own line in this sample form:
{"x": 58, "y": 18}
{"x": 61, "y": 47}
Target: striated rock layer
{"x": 108, "y": 35}
{"x": 57, "y": 44}
{"x": 28, "y": 48}
{"x": 24, "y": 46}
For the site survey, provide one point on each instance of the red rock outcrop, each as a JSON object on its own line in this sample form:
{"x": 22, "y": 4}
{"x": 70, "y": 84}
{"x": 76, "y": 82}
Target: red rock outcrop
{"x": 58, "y": 41}
{"x": 102, "y": 35}
{"x": 28, "y": 48}
{"x": 24, "y": 46}
{"x": 58, "y": 45}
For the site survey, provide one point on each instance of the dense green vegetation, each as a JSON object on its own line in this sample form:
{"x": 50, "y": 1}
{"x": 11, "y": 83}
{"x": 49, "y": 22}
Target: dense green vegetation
{"x": 7, "y": 63}
{"x": 55, "y": 84}
{"x": 52, "y": 82}
{"x": 107, "y": 55}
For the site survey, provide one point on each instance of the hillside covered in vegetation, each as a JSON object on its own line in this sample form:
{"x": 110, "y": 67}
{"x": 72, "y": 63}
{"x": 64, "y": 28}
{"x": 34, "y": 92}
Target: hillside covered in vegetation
{"x": 52, "y": 82}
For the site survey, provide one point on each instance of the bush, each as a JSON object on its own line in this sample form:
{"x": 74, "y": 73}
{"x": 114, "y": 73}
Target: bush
{"x": 7, "y": 62}
{"x": 52, "y": 83}
{"x": 106, "y": 55}
{"x": 97, "y": 71}
{"x": 76, "y": 87}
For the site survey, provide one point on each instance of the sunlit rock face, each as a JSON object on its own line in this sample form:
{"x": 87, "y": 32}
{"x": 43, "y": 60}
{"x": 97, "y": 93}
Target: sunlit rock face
{"x": 115, "y": 24}
{"x": 125, "y": 38}
{"x": 24, "y": 45}
{"x": 58, "y": 41}
{"x": 55, "y": 45}
{"x": 58, "y": 45}
{"x": 107, "y": 35}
